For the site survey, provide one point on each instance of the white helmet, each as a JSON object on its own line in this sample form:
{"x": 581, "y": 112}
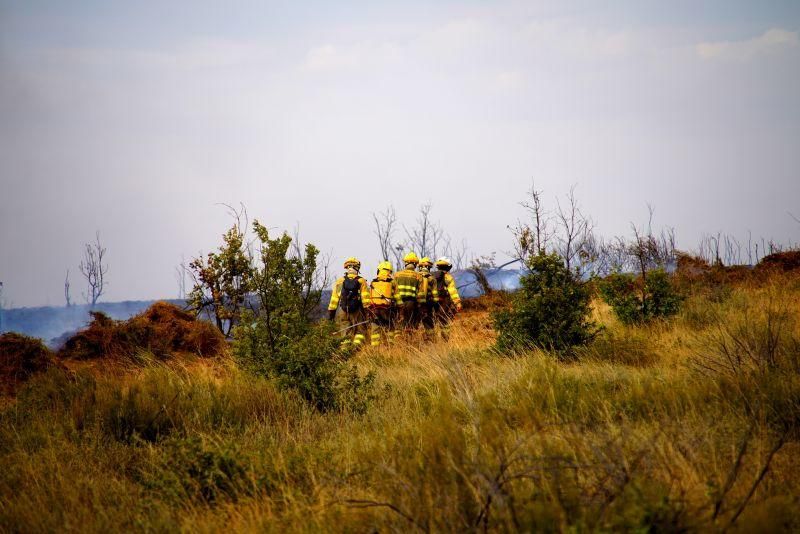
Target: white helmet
{"x": 444, "y": 261}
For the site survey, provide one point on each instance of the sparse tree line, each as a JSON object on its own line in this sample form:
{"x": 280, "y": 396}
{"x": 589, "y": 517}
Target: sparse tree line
{"x": 426, "y": 237}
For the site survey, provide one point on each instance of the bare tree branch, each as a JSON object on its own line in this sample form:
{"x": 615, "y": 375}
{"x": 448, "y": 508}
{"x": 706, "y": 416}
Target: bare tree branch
{"x": 575, "y": 229}
{"x": 94, "y": 269}
{"x": 66, "y": 290}
{"x": 180, "y": 277}
{"x": 534, "y": 236}
{"x": 421, "y": 235}
{"x": 385, "y": 223}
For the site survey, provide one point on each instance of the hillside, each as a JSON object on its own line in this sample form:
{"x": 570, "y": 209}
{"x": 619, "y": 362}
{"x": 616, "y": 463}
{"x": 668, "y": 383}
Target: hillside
{"x": 680, "y": 425}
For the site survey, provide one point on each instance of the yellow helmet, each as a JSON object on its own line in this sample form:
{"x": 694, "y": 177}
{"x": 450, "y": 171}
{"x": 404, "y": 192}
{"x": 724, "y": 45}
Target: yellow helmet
{"x": 385, "y": 266}
{"x": 352, "y": 262}
{"x": 425, "y": 262}
{"x": 410, "y": 258}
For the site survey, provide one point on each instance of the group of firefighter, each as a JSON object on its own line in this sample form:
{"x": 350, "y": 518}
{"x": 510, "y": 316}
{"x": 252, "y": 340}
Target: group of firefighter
{"x": 395, "y": 304}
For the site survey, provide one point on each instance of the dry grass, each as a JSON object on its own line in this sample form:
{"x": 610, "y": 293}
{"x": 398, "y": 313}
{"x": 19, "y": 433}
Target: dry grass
{"x": 641, "y": 432}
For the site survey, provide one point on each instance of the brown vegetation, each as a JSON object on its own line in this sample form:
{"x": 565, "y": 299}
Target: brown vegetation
{"x": 784, "y": 261}
{"x": 163, "y": 329}
{"x": 20, "y": 358}
{"x": 687, "y": 424}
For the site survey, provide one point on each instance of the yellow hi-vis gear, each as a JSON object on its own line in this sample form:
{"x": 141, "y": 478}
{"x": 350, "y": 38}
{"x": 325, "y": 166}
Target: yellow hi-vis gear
{"x": 425, "y": 262}
{"x": 446, "y": 286}
{"x": 408, "y": 282}
{"x": 337, "y": 292}
{"x": 385, "y": 265}
{"x": 382, "y": 289}
{"x": 428, "y": 292}
{"x": 410, "y": 258}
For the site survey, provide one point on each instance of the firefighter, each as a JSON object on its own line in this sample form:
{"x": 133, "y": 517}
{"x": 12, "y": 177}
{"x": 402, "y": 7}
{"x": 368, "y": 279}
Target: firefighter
{"x": 382, "y": 296}
{"x": 351, "y": 294}
{"x": 427, "y": 297}
{"x": 447, "y": 295}
{"x": 408, "y": 283}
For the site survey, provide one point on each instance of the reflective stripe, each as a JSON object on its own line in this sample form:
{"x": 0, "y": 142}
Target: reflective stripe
{"x": 335, "y": 294}
{"x": 364, "y": 291}
{"x": 408, "y": 283}
{"x": 428, "y": 291}
{"x": 451, "y": 288}
{"x": 450, "y": 284}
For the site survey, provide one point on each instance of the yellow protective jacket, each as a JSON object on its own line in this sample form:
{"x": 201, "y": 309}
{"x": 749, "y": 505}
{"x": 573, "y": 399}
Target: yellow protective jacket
{"x": 408, "y": 283}
{"x": 337, "y": 292}
{"x": 383, "y": 289}
{"x": 446, "y": 286}
{"x": 428, "y": 292}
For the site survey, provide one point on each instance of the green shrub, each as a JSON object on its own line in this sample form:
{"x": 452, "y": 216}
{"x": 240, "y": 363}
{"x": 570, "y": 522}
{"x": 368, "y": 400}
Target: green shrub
{"x": 635, "y": 301}
{"x": 223, "y": 280}
{"x": 283, "y": 340}
{"x": 310, "y": 365}
{"x": 550, "y": 309}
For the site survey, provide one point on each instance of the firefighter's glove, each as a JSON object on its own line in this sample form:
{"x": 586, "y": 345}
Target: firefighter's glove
{"x": 331, "y": 315}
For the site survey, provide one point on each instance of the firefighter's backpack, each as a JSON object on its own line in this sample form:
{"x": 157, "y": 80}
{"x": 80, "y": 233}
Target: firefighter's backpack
{"x": 350, "y": 299}
{"x": 381, "y": 292}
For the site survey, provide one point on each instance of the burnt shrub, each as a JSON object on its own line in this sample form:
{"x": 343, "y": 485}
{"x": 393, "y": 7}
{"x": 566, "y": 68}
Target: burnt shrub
{"x": 20, "y": 358}
{"x": 782, "y": 261}
{"x": 162, "y": 329}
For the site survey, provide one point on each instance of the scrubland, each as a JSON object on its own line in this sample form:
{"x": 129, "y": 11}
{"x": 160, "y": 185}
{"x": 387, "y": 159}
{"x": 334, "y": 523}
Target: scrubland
{"x": 687, "y": 424}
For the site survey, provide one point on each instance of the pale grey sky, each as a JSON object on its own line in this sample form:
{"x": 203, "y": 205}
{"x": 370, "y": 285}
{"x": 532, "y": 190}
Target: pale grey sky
{"x": 137, "y": 118}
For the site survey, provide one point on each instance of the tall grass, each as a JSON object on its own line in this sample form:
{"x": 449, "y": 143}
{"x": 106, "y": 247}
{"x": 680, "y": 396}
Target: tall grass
{"x": 649, "y": 428}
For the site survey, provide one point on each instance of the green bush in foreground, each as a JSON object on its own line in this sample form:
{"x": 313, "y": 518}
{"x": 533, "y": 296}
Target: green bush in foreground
{"x": 283, "y": 340}
{"x": 550, "y": 310}
{"x": 310, "y": 365}
{"x": 635, "y": 301}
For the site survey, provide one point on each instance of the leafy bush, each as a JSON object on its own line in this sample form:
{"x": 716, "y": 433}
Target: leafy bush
{"x": 310, "y": 365}
{"x": 635, "y": 301}
{"x": 222, "y": 281}
{"x": 282, "y": 340}
{"x": 550, "y": 309}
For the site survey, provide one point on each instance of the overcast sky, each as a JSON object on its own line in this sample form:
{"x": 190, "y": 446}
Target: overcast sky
{"x": 137, "y": 118}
